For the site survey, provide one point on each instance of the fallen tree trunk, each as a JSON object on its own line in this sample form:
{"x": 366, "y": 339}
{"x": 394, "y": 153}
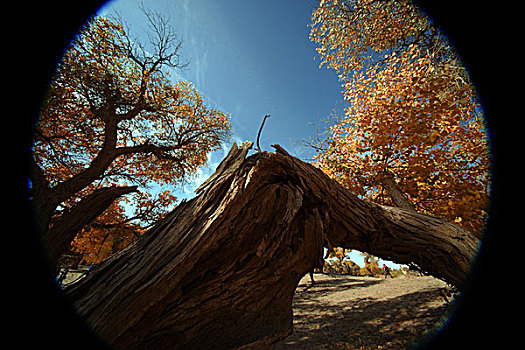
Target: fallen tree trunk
{"x": 220, "y": 271}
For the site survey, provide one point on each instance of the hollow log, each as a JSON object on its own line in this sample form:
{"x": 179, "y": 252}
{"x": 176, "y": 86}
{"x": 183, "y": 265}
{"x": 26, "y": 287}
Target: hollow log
{"x": 220, "y": 270}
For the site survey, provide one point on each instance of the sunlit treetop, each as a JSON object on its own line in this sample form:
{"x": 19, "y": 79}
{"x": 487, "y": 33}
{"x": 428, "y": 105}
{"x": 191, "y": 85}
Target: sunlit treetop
{"x": 354, "y": 34}
{"x": 111, "y": 97}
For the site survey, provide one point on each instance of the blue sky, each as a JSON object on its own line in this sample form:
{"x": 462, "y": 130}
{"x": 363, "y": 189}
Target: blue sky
{"x": 249, "y": 58}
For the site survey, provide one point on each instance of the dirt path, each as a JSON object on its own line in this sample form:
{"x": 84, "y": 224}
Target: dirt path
{"x": 347, "y": 312}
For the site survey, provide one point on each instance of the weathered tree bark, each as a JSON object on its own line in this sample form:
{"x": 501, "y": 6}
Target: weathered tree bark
{"x": 220, "y": 271}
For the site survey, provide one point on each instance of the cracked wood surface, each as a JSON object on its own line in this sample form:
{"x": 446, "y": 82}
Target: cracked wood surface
{"x": 221, "y": 269}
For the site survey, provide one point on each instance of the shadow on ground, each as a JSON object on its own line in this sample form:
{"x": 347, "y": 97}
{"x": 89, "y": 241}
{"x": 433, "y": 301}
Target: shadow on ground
{"x": 325, "y": 287}
{"x": 360, "y": 323}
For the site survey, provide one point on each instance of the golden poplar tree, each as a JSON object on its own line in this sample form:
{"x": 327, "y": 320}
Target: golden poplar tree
{"x": 115, "y": 123}
{"x": 413, "y": 133}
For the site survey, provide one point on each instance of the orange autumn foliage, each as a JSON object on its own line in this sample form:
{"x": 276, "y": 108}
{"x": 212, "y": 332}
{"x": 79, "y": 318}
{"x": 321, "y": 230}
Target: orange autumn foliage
{"x": 114, "y": 116}
{"x": 413, "y": 117}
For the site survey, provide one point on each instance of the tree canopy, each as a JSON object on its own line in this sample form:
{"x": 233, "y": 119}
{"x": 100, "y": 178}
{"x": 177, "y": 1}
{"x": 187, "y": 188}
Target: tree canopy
{"x": 413, "y": 133}
{"x": 114, "y": 117}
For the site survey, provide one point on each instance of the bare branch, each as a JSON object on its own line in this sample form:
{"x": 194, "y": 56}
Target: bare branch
{"x": 164, "y": 45}
{"x": 259, "y": 133}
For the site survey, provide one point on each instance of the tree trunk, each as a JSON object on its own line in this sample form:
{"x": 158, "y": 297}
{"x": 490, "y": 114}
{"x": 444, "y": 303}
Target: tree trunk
{"x": 59, "y": 237}
{"x": 397, "y": 197}
{"x": 220, "y": 270}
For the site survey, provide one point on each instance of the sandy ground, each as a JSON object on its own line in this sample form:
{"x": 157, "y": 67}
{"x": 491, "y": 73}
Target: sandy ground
{"x": 348, "y": 312}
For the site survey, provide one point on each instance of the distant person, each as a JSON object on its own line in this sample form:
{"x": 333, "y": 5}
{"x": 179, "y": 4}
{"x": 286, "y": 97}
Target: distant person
{"x": 387, "y": 271}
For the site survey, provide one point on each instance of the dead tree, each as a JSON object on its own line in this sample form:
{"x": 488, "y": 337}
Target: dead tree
{"x": 220, "y": 271}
